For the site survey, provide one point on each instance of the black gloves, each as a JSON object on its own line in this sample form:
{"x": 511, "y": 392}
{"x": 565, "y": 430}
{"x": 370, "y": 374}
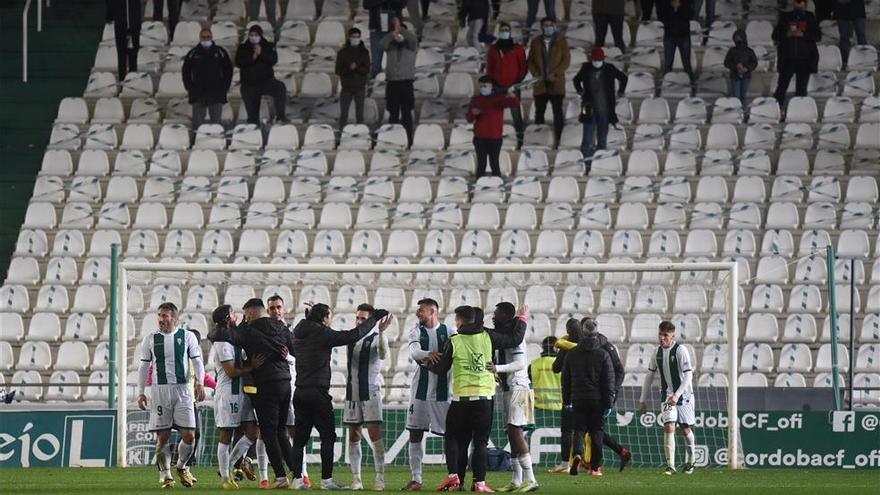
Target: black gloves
{"x": 378, "y": 314}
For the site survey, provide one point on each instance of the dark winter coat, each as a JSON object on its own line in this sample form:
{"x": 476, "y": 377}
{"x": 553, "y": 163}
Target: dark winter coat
{"x": 619, "y": 372}
{"x": 375, "y": 7}
{"x": 353, "y": 80}
{"x": 793, "y": 52}
{"x": 558, "y": 61}
{"x": 207, "y": 74}
{"x": 740, "y": 53}
{"x": 259, "y": 70}
{"x": 676, "y": 23}
{"x": 267, "y": 337}
{"x": 313, "y": 343}
{"x": 610, "y": 73}
{"x": 588, "y": 374}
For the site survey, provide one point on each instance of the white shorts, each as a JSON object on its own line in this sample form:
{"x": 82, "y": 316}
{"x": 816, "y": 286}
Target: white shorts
{"x": 171, "y": 406}
{"x": 517, "y": 407}
{"x": 685, "y": 410}
{"x": 227, "y": 408}
{"x": 358, "y": 412}
{"x": 427, "y": 415}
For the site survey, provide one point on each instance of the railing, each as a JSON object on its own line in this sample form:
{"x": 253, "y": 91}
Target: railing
{"x": 24, "y": 34}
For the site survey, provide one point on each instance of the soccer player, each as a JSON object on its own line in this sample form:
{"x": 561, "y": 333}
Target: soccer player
{"x": 277, "y": 311}
{"x": 677, "y": 392}
{"x": 229, "y": 397}
{"x": 169, "y": 351}
{"x": 469, "y": 355}
{"x": 429, "y": 393}
{"x": 517, "y": 402}
{"x": 363, "y": 397}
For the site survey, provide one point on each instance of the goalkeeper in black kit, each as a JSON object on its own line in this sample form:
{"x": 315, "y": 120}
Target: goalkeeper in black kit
{"x": 588, "y": 389}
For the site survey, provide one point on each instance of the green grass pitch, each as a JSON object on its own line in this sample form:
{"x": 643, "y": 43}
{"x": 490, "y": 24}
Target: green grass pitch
{"x": 141, "y": 480}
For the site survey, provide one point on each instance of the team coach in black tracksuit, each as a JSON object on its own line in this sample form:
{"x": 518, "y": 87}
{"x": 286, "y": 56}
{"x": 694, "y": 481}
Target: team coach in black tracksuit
{"x": 313, "y": 341}
{"x": 269, "y": 338}
{"x": 588, "y": 385}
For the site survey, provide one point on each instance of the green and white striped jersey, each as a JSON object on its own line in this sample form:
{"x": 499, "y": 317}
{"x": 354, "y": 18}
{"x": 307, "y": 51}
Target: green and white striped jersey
{"x": 364, "y": 368}
{"x": 427, "y": 385}
{"x": 673, "y": 363}
{"x": 225, "y": 352}
{"x": 170, "y": 354}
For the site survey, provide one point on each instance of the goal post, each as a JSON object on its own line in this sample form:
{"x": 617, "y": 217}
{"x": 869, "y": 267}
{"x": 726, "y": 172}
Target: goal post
{"x": 126, "y": 268}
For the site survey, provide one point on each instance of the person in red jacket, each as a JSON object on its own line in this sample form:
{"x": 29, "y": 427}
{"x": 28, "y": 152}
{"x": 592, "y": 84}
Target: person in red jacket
{"x": 506, "y": 65}
{"x": 486, "y": 112}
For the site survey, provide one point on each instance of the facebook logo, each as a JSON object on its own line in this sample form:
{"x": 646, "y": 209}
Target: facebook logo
{"x": 843, "y": 422}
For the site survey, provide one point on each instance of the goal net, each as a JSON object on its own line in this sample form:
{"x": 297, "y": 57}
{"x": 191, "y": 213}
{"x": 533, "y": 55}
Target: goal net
{"x": 627, "y": 300}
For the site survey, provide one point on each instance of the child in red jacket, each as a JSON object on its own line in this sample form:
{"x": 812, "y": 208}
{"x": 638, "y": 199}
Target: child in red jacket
{"x": 486, "y": 112}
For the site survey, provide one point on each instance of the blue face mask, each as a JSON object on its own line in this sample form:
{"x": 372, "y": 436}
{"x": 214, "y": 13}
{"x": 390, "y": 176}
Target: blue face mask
{"x": 485, "y": 91}
{"x": 549, "y": 31}
{"x": 505, "y": 35}
{"x": 255, "y": 39}
{"x": 206, "y": 44}
{"x": 354, "y": 41}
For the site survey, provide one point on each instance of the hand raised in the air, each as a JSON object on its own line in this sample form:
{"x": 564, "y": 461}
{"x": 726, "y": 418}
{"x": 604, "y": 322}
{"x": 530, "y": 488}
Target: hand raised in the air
{"x": 523, "y": 310}
{"x": 142, "y": 402}
{"x": 379, "y": 313}
{"x": 642, "y": 407}
{"x": 383, "y": 324}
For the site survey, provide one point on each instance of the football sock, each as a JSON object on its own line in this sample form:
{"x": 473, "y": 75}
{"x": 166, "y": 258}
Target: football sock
{"x": 354, "y": 458}
{"x": 240, "y": 448}
{"x": 416, "y": 452}
{"x": 184, "y": 452}
{"x": 379, "y": 455}
{"x": 305, "y": 472}
{"x": 223, "y": 459}
{"x": 516, "y": 479}
{"x": 669, "y": 448}
{"x": 163, "y": 460}
{"x": 690, "y": 451}
{"x": 262, "y": 459}
{"x": 525, "y": 461}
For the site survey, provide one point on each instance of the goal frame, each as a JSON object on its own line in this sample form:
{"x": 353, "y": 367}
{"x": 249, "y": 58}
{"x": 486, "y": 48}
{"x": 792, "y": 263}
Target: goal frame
{"x": 119, "y": 309}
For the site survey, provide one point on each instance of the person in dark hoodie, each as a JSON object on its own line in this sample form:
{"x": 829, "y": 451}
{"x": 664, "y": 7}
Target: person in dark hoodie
{"x": 469, "y": 355}
{"x": 741, "y": 61}
{"x": 207, "y": 75}
{"x": 588, "y": 388}
{"x": 595, "y": 83}
{"x": 353, "y": 69}
{"x": 796, "y": 34}
{"x": 313, "y": 342}
{"x": 261, "y": 335}
{"x": 486, "y": 112}
{"x": 256, "y": 57}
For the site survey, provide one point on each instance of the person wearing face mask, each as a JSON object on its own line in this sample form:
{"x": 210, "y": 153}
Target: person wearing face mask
{"x": 677, "y": 34}
{"x": 796, "y": 34}
{"x": 207, "y": 75}
{"x": 609, "y": 13}
{"x": 486, "y": 112}
{"x": 255, "y": 57}
{"x": 353, "y": 68}
{"x": 549, "y": 58}
{"x": 595, "y": 83}
{"x": 506, "y": 65}
{"x": 400, "y": 46}
{"x": 741, "y": 61}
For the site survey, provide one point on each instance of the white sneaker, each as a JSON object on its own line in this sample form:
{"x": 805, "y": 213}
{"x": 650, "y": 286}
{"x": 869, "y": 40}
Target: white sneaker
{"x": 332, "y": 485}
{"x": 356, "y": 484}
{"x": 379, "y": 484}
{"x": 298, "y": 484}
